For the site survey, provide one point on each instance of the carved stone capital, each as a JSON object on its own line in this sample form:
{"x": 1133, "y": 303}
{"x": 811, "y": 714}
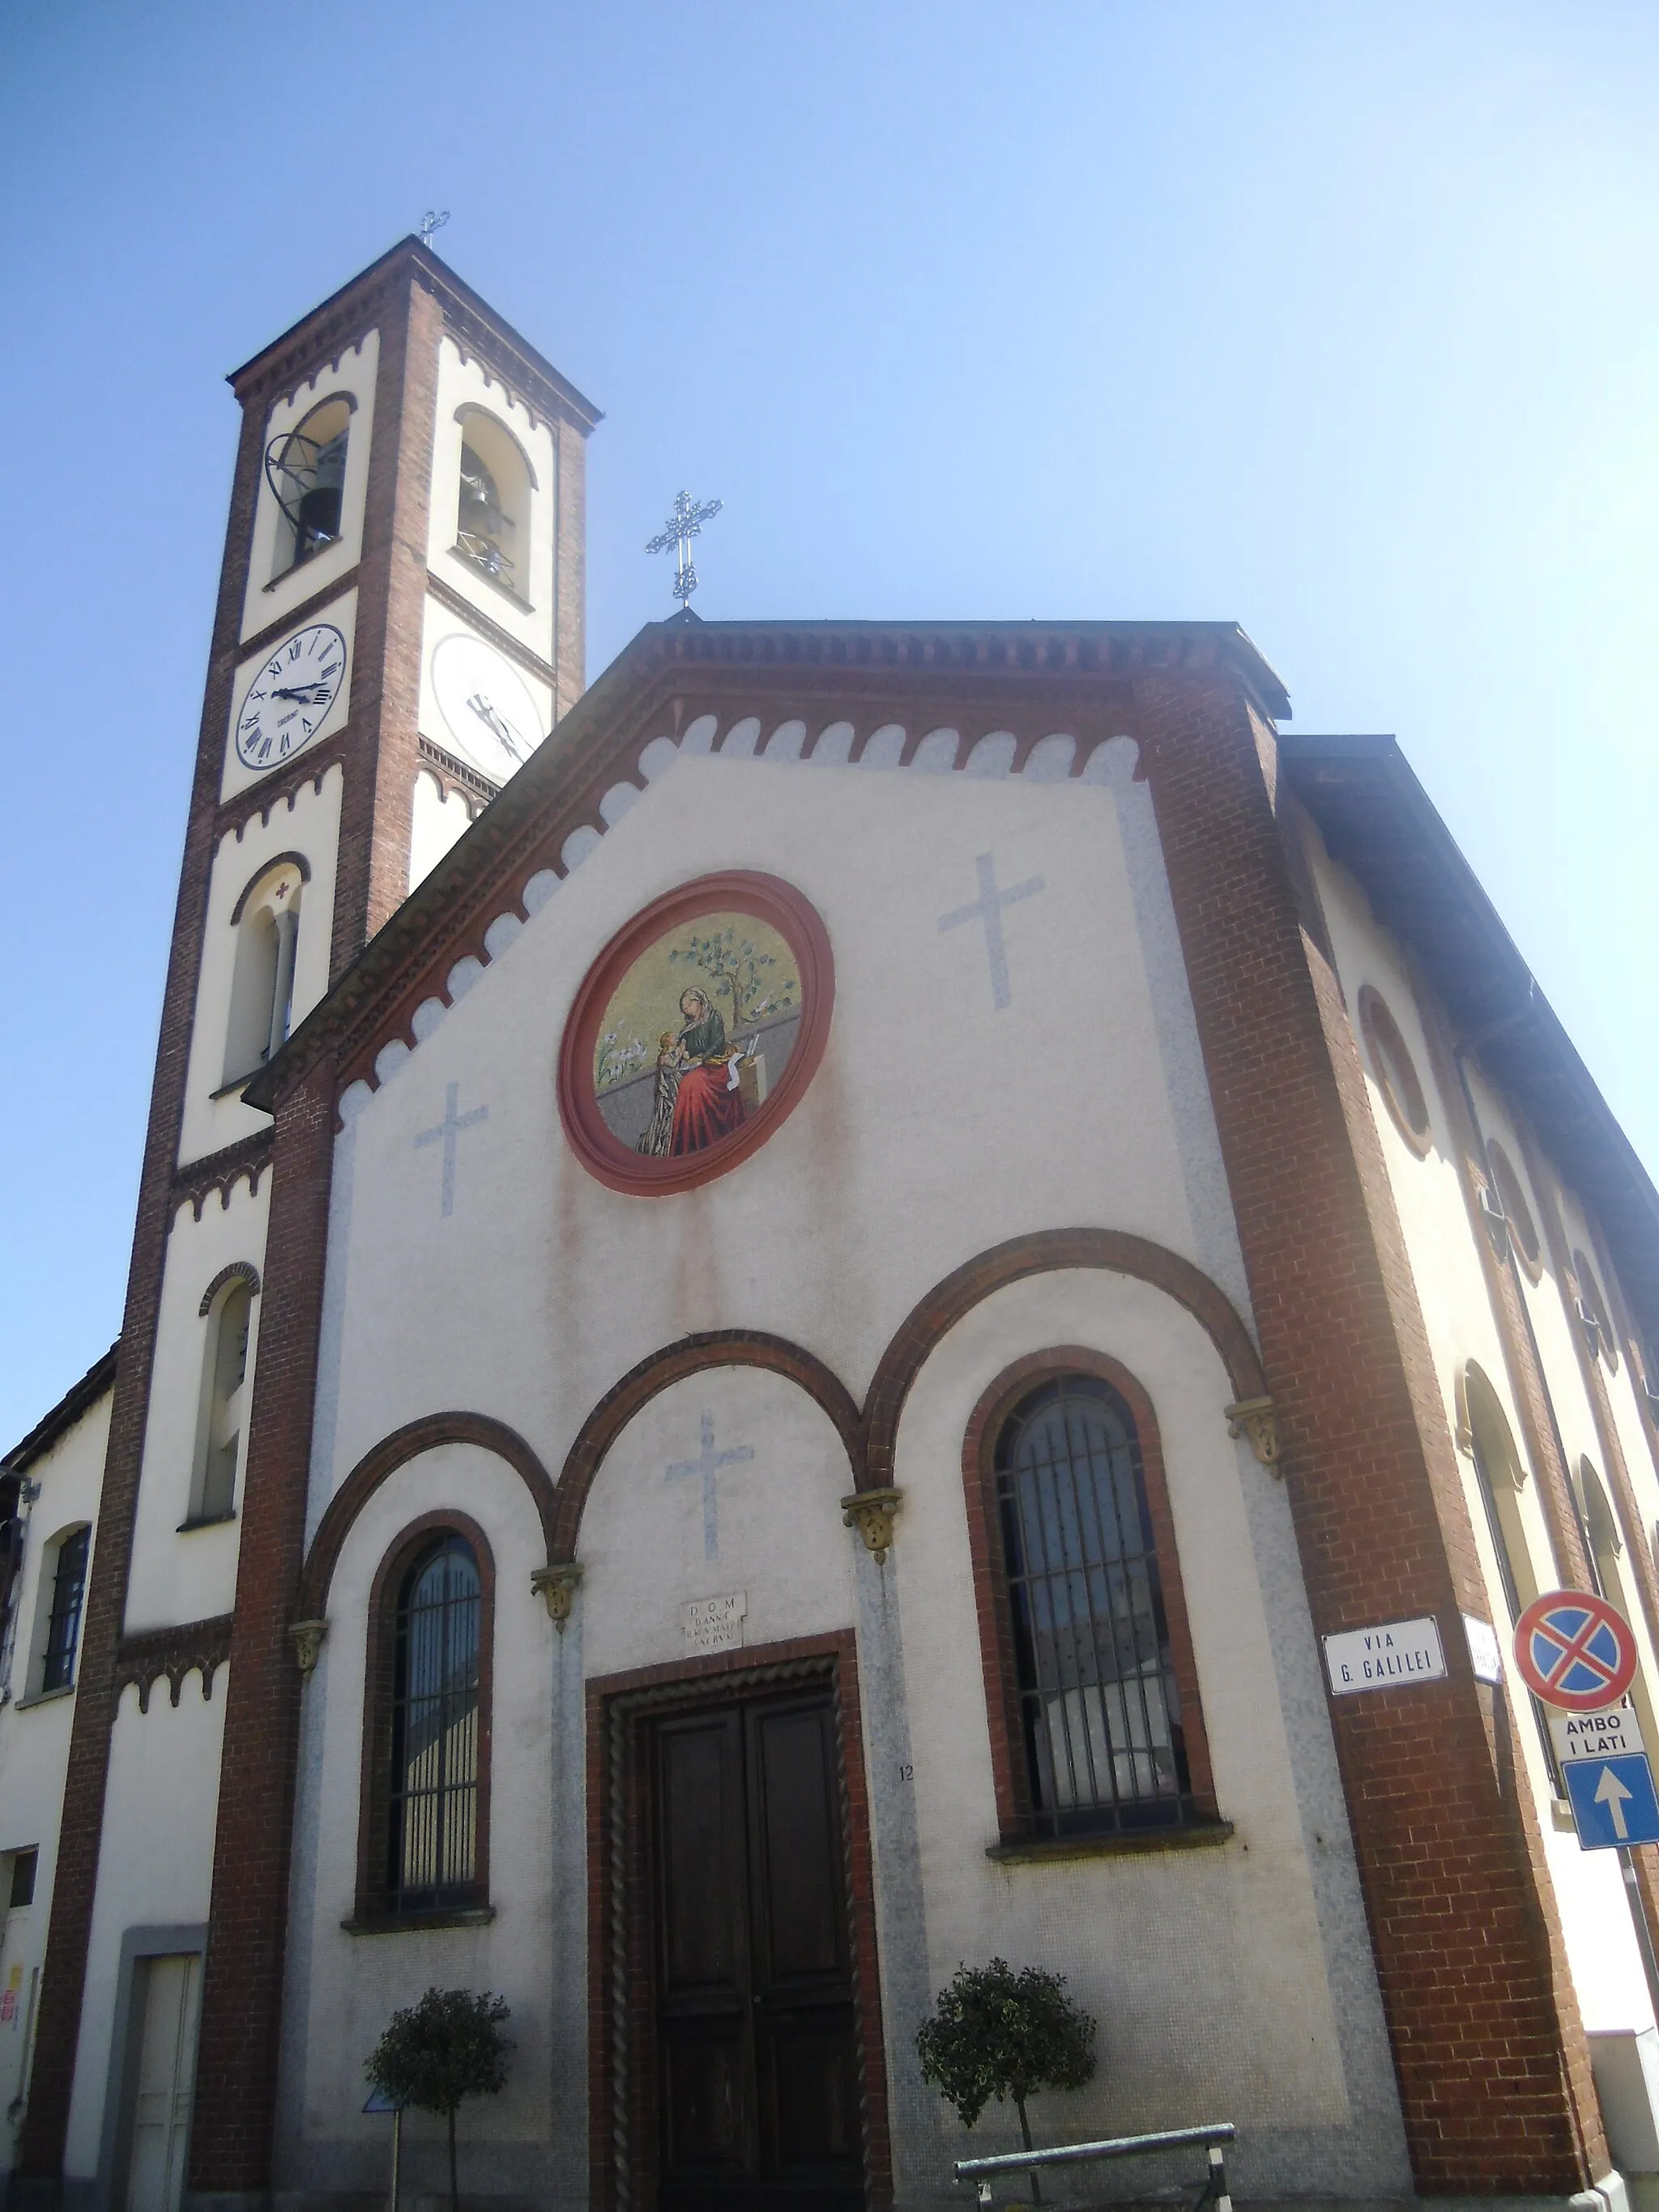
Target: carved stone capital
{"x": 556, "y": 1587}
{"x": 307, "y": 1636}
{"x": 1254, "y": 1419}
{"x": 871, "y": 1513}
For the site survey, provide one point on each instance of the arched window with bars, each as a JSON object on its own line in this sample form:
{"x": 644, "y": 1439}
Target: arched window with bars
{"x": 1094, "y": 1721}
{"x": 428, "y": 1814}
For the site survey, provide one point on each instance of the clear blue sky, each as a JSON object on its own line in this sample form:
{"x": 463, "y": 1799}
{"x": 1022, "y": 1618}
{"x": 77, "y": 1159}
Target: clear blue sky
{"x": 1339, "y": 321}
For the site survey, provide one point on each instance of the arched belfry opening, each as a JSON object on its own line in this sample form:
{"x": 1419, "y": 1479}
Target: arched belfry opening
{"x": 305, "y": 468}
{"x": 261, "y": 979}
{"x": 492, "y": 516}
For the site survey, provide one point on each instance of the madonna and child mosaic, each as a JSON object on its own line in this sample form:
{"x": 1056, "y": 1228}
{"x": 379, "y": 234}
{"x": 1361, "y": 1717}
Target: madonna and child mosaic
{"x": 695, "y": 1034}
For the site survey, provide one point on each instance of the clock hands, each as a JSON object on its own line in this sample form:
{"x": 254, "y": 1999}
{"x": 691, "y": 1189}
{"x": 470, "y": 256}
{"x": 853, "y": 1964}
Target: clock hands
{"x": 308, "y": 695}
{"x": 493, "y": 721}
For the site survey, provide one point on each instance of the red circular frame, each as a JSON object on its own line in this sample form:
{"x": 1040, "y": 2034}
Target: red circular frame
{"x": 770, "y": 900}
{"x": 1604, "y": 1615}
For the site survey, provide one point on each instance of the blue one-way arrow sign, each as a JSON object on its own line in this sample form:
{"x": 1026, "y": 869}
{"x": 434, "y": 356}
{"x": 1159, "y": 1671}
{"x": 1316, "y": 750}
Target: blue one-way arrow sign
{"x": 1614, "y": 1802}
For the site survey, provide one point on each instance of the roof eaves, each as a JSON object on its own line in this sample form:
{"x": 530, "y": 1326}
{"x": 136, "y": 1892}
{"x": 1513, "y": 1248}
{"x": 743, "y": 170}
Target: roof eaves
{"x": 1380, "y": 824}
{"x": 444, "y": 279}
{"x": 99, "y": 1379}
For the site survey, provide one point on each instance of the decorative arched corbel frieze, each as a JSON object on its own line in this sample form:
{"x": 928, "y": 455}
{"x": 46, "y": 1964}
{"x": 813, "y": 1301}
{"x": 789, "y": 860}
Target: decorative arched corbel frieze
{"x": 194, "y": 1646}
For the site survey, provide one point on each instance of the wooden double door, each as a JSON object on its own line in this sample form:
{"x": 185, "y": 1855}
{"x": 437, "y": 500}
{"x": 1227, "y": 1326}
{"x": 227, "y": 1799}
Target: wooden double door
{"x": 757, "y": 2069}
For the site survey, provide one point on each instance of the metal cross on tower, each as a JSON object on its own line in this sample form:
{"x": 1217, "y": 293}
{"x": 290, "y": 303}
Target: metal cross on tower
{"x": 674, "y": 537}
{"x": 434, "y": 219}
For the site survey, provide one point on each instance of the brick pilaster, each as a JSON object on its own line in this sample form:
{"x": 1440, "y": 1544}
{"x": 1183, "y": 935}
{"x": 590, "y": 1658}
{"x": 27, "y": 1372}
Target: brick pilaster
{"x": 234, "y": 2109}
{"x": 1488, "y": 2049}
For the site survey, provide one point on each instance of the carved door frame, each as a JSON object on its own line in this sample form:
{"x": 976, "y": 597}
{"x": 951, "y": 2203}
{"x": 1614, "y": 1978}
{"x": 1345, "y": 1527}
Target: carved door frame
{"x": 621, "y": 2080}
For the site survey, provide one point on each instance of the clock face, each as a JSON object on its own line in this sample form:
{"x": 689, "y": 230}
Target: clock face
{"x": 290, "y": 697}
{"x": 488, "y": 710}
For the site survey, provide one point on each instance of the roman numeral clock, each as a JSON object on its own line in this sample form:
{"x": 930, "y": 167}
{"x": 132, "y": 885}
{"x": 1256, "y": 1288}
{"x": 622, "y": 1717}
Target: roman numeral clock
{"x": 289, "y": 698}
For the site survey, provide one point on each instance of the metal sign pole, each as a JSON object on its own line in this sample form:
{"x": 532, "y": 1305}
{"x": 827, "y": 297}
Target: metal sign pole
{"x": 397, "y": 2152}
{"x": 1643, "y": 1933}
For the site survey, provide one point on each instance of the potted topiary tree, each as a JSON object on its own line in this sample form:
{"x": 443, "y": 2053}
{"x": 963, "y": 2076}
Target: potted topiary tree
{"x": 432, "y": 2054}
{"x": 997, "y": 2034}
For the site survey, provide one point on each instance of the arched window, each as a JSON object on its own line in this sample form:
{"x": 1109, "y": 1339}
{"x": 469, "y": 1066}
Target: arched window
{"x": 1396, "y": 1070}
{"x": 1500, "y": 1477}
{"x": 267, "y": 922}
{"x": 492, "y": 523}
{"x": 63, "y": 1586}
{"x": 305, "y": 471}
{"x": 1513, "y": 1199}
{"x": 1605, "y": 1538}
{"x": 229, "y": 1313}
{"x": 432, "y": 1857}
{"x": 1593, "y": 1314}
{"x": 1099, "y": 1740}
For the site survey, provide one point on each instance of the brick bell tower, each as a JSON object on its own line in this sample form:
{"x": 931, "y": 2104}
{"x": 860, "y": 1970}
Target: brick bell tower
{"x": 400, "y": 624}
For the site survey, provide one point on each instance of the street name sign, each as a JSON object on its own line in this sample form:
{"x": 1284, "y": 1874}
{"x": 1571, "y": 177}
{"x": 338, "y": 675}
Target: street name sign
{"x": 1382, "y": 1658}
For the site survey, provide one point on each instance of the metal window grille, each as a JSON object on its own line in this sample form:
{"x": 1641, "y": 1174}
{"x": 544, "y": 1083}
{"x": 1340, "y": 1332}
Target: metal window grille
{"x": 433, "y": 1828}
{"x": 1099, "y": 1709}
{"x": 69, "y": 1585}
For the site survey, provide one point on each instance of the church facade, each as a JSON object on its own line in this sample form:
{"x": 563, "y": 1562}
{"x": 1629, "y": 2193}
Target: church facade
{"x": 766, "y": 1336}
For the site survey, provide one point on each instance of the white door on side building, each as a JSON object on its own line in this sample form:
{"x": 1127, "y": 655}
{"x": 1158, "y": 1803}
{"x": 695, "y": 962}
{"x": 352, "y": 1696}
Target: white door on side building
{"x": 170, "y": 1991}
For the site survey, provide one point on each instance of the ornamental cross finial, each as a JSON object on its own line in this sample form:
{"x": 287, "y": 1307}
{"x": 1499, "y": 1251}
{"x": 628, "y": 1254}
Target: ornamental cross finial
{"x": 434, "y": 219}
{"x": 674, "y": 537}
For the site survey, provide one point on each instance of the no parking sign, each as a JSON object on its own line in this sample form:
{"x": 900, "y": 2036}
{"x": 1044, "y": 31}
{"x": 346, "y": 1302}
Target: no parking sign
{"x": 1575, "y": 1651}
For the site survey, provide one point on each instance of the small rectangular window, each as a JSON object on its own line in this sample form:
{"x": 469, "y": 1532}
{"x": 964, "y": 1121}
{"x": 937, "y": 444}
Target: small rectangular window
{"x": 69, "y": 1588}
{"x": 23, "y": 1864}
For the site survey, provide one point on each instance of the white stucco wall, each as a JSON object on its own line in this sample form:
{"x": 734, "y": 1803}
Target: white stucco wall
{"x": 939, "y": 1125}
{"x": 1086, "y": 1108}
{"x": 189, "y": 1574}
{"x": 438, "y": 820}
{"x": 35, "y": 1743}
{"x": 1221, "y": 1977}
{"x": 342, "y": 1989}
{"x": 1457, "y": 1312}
{"x": 154, "y": 1868}
{"x": 307, "y": 821}
{"x": 269, "y": 599}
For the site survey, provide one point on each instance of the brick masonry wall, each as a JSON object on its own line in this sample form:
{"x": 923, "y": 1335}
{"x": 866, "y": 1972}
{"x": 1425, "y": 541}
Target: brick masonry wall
{"x": 1488, "y": 2047}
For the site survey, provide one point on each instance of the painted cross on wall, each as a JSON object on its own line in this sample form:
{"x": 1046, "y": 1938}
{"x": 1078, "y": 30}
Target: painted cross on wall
{"x": 707, "y": 1464}
{"x": 986, "y": 909}
{"x": 446, "y": 1131}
